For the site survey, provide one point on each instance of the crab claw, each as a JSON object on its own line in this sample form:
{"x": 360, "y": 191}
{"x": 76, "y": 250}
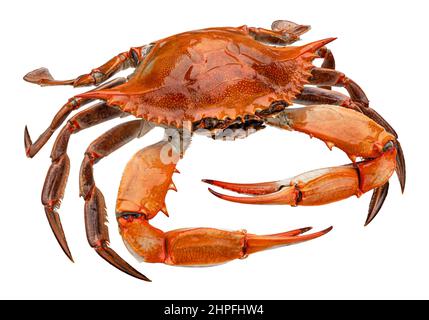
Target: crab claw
{"x": 400, "y": 159}
{"x": 274, "y": 192}
{"x": 321, "y": 186}
{"x": 316, "y": 187}
{"x": 286, "y": 195}
{"x": 246, "y": 188}
{"x": 256, "y": 243}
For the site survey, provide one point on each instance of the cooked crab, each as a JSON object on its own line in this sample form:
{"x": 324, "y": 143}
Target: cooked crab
{"x": 216, "y": 81}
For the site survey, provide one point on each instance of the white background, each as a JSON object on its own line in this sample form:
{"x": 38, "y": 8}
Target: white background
{"x": 381, "y": 44}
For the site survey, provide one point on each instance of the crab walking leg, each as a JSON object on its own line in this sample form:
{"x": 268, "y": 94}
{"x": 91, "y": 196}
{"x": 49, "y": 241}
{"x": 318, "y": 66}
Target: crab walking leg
{"x": 328, "y": 61}
{"x": 56, "y": 178}
{"x": 31, "y": 149}
{"x": 145, "y": 182}
{"x": 98, "y": 75}
{"x": 328, "y": 58}
{"x": 95, "y": 208}
{"x": 317, "y": 96}
{"x": 321, "y": 76}
{"x": 352, "y": 132}
{"x": 329, "y": 77}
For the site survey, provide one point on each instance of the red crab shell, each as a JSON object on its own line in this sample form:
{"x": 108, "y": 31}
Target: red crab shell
{"x": 216, "y": 72}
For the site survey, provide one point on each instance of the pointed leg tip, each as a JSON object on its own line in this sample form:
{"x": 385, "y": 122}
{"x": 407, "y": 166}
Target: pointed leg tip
{"x": 139, "y": 276}
{"x": 26, "y": 136}
{"x": 69, "y": 255}
{"x": 368, "y": 221}
{"x": 377, "y": 200}
{"x": 57, "y": 229}
{"x": 400, "y": 169}
{"x": 402, "y": 183}
{"x": 209, "y": 181}
{"x": 144, "y": 278}
{"x": 115, "y": 260}
{"x": 63, "y": 244}
{"x": 27, "y": 142}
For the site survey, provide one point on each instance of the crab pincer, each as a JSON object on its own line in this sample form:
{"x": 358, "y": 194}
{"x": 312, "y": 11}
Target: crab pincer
{"x": 350, "y": 131}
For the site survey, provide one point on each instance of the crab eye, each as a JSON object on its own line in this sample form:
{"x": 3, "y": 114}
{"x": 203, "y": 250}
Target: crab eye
{"x": 388, "y": 146}
{"x": 129, "y": 215}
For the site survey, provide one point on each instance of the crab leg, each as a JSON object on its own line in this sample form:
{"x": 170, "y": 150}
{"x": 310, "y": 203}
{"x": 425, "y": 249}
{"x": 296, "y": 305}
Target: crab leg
{"x": 95, "y": 208}
{"x": 74, "y": 103}
{"x": 200, "y": 246}
{"x": 317, "y": 96}
{"x": 145, "y": 182}
{"x": 329, "y": 77}
{"x": 283, "y": 32}
{"x": 321, "y": 76}
{"x": 320, "y": 186}
{"x": 352, "y": 132}
{"x": 328, "y": 58}
{"x": 56, "y": 178}
{"x": 122, "y": 61}
{"x": 328, "y": 61}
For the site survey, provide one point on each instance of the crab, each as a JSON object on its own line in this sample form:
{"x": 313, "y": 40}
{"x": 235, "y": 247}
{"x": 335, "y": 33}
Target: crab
{"x": 220, "y": 82}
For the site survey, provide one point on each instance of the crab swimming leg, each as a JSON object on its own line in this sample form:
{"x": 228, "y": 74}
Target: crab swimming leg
{"x": 145, "y": 182}
{"x": 122, "y": 61}
{"x": 95, "y": 208}
{"x": 282, "y": 32}
{"x": 352, "y": 132}
{"x": 56, "y": 178}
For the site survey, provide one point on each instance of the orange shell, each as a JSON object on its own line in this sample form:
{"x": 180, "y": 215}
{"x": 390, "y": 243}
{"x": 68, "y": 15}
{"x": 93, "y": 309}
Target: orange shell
{"x": 216, "y": 72}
